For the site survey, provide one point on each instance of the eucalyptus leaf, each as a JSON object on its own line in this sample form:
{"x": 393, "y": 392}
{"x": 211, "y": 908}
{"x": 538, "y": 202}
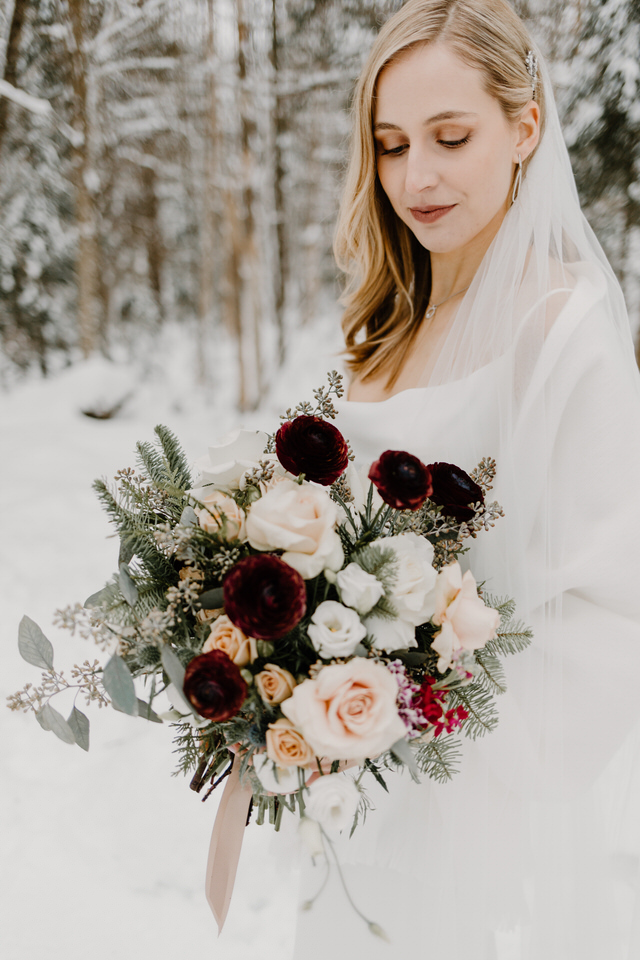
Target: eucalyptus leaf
{"x": 125, "y": 552}
{"x": 118, "y": 682}
{"x": 33, "y": 645}
{"x": 405, "y": 754}
{"x": 57, "y": 724}
{"x": 175, "y": 671}
{"x": 188, "y": 517}
{"x": 79, "y": 724}
{"x": 96, "y": 598}
{"x": 211, "y": 599}
{"x": 147, "y": 713}
{"x": 127, "y": 586}
{"x": 42, "y": 719}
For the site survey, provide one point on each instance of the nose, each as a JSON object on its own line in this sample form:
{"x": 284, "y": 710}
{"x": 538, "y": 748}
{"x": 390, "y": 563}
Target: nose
{"x": 420, "y": 171}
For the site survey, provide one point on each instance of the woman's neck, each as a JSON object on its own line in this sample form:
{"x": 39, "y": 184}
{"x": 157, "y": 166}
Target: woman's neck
{"x": 454, "y": 271}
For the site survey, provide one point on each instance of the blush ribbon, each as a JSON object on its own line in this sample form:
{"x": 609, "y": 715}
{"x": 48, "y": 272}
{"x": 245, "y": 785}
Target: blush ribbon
{"x": 226, "y": 844}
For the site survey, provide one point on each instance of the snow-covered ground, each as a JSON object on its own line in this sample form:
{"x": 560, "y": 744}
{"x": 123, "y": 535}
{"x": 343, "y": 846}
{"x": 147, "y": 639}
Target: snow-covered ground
{"x": 103, "y": 854}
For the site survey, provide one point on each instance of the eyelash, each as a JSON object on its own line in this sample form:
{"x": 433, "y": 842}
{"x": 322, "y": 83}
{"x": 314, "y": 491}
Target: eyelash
{"x": 450, "y": 144}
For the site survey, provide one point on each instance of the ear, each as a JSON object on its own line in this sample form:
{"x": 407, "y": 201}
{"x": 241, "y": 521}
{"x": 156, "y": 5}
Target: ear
{"x": 528, "y": 130}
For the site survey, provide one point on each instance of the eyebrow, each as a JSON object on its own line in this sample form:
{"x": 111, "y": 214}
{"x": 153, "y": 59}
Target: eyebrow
{"x": 438, "y": 118}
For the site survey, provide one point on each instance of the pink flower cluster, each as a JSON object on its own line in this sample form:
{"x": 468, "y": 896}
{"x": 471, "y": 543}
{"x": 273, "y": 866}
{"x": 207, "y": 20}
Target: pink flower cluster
{"x": 408, "y": 701}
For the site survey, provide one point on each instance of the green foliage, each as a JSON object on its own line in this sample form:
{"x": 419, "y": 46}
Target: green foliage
{"x": 513, "y": 636}
{"x": 439, "y": 759}
{"x": 479, "y": 701}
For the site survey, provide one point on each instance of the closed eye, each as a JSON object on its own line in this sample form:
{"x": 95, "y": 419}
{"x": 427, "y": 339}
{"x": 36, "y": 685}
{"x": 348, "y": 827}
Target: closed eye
{"x": 452, "y": 144}
{"x": 392, "y": 151}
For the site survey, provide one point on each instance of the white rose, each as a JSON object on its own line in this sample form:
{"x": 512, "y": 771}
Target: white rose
{"x": 390, "y": 635}
{"x": 277, "y": 779}
{"x": 299, "y": 519}
{"x": 335, "y": 630}
{"x": 358, "y": 589}
{"x": 228, "y": 461}
{"x": 332, "y": 801}
{"x": 413, "y": 594}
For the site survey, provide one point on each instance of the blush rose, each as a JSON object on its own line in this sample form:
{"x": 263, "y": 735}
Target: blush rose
{"x": 465, "y": 622}
{"x": 349, "y": 711}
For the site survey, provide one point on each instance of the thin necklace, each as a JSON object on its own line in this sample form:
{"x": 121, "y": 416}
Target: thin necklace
{"x": 432, "y": 309}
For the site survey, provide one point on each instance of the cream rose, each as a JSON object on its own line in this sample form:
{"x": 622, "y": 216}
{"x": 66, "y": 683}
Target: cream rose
{"x": 229, "y": 638}
{"x": 465, "y": 620}
{"x": 332, "y": 801}
{"x": 228, "y": 461}
{"x": 274, "y": 683}
{"x": 286, "y": 746}
{"x": 335, "y": 630}
{"x": 358, "y": 589}
{"x": 299, "y": 519}
{"x": 221, "y": 514}
{"x": 275, "y": 779}
{"x": 349, "y": 711}
{"x": 412, "y": 594}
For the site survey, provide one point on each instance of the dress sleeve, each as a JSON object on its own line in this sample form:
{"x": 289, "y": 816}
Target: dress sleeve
{"x": 573, "y": 538}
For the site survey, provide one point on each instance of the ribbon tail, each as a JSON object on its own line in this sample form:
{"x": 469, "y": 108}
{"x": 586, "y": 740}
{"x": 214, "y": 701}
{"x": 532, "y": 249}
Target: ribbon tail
{"x": 226, "y": 844}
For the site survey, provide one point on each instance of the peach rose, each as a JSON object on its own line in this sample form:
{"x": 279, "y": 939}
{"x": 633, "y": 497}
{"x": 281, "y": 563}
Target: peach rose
{"x": 465, "y": 620}
{"x": 286, "y": 746}
{"x": 349, "y": 711}
{"x": 221, "y": 514}
{"x": 274, "y": 683}
{"x": 229, "y": 638}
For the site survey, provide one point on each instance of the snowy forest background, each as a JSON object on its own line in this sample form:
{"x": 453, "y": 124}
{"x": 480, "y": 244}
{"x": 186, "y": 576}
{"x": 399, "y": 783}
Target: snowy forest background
{"x": 178, "y": 162}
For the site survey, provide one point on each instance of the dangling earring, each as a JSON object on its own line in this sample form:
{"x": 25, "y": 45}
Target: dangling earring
{"x": 517, "y": 183}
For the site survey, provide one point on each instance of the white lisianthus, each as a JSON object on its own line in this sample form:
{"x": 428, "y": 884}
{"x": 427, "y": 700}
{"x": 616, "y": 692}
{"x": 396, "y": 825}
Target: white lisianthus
{"x": 301, "y": 520}
{"x": 390, "y": 635}
{"x": 332, "y": 801}
{"x": 335, "y": 630}
{"x": 358, "y": 589}
{"x": 228, "y": 461}
{"x": 277, "y": 779}
{"x": 311, "y": 835}
{"x": 413, "y": 594}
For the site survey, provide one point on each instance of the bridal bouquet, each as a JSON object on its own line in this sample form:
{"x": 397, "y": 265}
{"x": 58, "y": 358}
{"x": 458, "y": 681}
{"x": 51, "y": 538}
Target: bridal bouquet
{"x": 310, "y": 624}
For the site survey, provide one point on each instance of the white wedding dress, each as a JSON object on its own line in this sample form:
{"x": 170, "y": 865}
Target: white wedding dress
{"x": 528, "y": 854}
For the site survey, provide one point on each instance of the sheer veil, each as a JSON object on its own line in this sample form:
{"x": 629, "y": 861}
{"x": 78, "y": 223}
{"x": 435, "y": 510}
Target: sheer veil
{"x": 536, "y": 831}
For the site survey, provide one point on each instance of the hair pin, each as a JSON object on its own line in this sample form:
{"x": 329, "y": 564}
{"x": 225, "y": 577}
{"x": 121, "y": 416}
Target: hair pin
{"x": 531, "y": 63}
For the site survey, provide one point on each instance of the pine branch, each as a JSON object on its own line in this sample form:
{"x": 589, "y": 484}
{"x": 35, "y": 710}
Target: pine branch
{"x": 439, "y": 758}
{"x": 491, "y": 676}
{"x": 176, "y": 460}
{"x": 480, "y": 705}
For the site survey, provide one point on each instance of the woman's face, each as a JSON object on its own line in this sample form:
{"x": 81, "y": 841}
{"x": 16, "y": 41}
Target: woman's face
{"x": 445, "y": 150}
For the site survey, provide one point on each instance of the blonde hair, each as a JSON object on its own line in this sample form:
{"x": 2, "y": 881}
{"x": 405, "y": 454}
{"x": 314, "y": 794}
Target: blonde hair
{"x": 389, "y": 271}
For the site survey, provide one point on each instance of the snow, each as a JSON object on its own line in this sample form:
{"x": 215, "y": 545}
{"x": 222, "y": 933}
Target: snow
{"x": 104, "y": 853}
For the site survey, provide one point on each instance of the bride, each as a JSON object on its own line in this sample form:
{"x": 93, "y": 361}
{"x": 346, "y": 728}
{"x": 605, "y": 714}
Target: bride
{"x": 482, "y": 319}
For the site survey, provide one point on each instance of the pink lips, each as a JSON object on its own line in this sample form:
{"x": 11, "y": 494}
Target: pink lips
{"x": 429, "y": 214}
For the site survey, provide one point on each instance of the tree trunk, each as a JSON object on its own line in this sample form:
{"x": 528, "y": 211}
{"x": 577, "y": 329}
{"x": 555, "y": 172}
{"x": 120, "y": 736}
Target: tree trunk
{"x": 279, "y": 127}
{"x": 11, "y": 60}
{"x": 153, "y": 236}
{"x": 249, "y": 343}
{"x": 207, "y": 279}
{"x": 87, "y": 260}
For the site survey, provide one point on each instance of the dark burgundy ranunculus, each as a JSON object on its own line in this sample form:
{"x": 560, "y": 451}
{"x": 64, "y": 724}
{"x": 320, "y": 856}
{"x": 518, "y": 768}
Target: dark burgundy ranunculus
{"x": 402, "y": 480}
{"x": 314, "y": 447}
{"x": 454, "y": 490}
{"x": 214, "y": 685}
{"x": 264, "y": 596}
